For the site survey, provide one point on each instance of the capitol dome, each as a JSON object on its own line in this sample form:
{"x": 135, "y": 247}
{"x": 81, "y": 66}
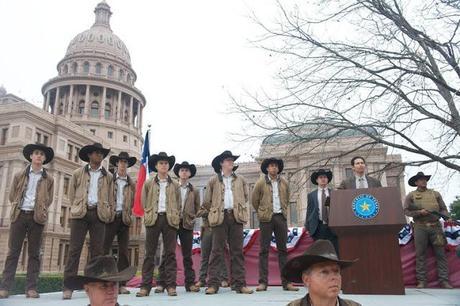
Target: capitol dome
{"x": 100, "y": 39}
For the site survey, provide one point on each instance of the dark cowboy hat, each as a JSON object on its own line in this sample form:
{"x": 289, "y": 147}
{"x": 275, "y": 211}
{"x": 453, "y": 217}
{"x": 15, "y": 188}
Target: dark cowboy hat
{"x": 320, "y": 251}
{"x": 219, "y": 158}
{"x": 83, "y": 154}
{"x": 317, "y": 173}
{"x": 123, "y": 156}
{"x": 185, "y": 164}
{"x": 30, "y": 148}
{"x": 99, "y": 269}
{"x": 153, "y": 159}
{"x": 272, "y": 160}
{"x": 419, "y": 175}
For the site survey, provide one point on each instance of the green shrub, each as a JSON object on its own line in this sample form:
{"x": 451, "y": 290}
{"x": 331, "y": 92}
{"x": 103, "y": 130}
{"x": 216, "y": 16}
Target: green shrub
{"x": 46, "y": 283}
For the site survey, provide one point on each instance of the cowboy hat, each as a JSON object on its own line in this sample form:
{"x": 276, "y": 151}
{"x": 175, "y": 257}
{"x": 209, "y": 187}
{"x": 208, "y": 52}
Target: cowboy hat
{"x": 419, "y": 175}
{"x": 272, "y": 160}
{"x": 99, "y": 269}
{"x": 219, "y": 158}
{"x": 83, "y": 154}
{"x": 30, "y": 148}
{"x": 153, "y": 159}
{"x": 320, "y": 251}
{"x": 123, "y": 156}
{"x": 186, "y": 165}
{"x": 317, "y": 173}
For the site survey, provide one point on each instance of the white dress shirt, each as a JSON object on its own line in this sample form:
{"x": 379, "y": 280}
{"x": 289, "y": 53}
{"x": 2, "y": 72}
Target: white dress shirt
{"x": 320, "y": 191}
{"x": 364, "y": 181}
{"x": 28, "y": 203}
{"x": 121, "y": 183}
{"x": 228, "y": 194}
{"x": 93, "y": 185}
{"x": 183, "y": 195}
{"x": 162, "y": 196}
{"x": 276, "y": 196}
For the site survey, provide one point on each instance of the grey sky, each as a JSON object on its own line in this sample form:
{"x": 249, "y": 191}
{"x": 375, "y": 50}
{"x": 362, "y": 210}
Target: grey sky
{"x": 188, "y": 56}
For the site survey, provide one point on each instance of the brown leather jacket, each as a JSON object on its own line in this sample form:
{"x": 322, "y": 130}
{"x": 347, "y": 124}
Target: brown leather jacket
{"x": 150, "y": 198}
{"x": 191, "y": 207}
{"x": 43, "y": 198}
{"x": 78, "y": 194}
{"x": 262, "y": 198}
{"x": 214, "y": 199}
{"x": 129, "y": 190}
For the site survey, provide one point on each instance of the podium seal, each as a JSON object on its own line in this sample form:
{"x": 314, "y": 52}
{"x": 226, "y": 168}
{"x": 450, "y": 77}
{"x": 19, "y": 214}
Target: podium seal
{"x": 365, "y": 206}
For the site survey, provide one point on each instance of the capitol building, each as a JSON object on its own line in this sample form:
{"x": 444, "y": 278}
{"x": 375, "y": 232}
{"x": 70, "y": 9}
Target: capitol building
{"x": 93, "y": 98}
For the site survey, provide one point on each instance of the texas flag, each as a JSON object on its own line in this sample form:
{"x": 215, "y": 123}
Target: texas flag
{"x": 142, "y": 176}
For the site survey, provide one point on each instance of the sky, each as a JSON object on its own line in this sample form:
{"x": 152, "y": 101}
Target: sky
{"x": 189, "y": 56}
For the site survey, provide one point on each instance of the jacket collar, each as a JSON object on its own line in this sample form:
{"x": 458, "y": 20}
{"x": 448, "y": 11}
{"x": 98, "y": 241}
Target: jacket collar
{"x": 157, "y": 180}
{"x": 306, "y": 301}
{"x": 44, "y": 172}
{"x": 221, "y": 176}
{"x": 188, "y": 185}
{"x": 103, "y": 171}
{"x": 268, "y": 180}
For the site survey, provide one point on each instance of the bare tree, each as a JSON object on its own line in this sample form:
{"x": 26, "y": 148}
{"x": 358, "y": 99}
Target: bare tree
{"x": 385, "y": 69}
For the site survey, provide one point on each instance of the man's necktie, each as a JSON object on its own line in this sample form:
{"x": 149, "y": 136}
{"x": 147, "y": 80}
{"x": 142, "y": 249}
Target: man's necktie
{"x": 324, "y": 207}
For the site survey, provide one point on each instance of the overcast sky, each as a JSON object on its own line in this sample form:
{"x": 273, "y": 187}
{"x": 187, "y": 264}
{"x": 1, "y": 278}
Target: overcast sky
{"x": 188, "y": 56}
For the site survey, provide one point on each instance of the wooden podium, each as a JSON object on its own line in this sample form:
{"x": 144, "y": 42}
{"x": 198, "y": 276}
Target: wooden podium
{"x": 372, "y": 239}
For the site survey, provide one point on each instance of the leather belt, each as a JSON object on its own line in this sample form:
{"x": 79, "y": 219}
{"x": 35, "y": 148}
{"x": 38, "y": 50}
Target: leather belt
{"x": 228, "y": 211}
{"x": 162, "y": 213}
{"x": 27, "y": 212}
{"x": 118, "y": 214}
{"x": 91, "y": 207}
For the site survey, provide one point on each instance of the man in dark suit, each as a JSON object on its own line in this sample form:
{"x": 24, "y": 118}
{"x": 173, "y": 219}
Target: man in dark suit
{"x": 359, "y": 179}
{"x": 318, "y": 200}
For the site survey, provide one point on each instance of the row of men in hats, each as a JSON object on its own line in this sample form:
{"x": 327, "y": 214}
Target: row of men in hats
{"x": 418, "y": 204}
{"x": 101, "y": 203}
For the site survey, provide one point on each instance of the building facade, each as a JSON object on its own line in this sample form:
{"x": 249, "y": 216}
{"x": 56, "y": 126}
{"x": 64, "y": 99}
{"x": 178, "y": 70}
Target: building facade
{"x": 92, "y": 99}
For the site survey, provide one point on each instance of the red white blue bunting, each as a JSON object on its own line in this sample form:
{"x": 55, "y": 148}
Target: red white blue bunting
{"x": 451, "y": 231}
{"x": 293, "y": 237}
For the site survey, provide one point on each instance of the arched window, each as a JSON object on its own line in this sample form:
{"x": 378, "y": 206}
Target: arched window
{"x": 110, "y": 71}
{"x": 74, "y": 68}
{"x": 86, "y": 67}
{"x": 81, "y": 107}
{"x": 61, "y": 108}
{"x": 98, "y": 68}
{"x": 65, "y": 69}
{"x": 126, "y": 117}
{"x": 94, "y": 109}
{"x": 129, "y": 78}
{"x": 108, "y": 110}
{"x": 122, "y": 73}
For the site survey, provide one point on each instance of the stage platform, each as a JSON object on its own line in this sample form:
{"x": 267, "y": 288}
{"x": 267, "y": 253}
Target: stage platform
{"x": 274, "y": 296}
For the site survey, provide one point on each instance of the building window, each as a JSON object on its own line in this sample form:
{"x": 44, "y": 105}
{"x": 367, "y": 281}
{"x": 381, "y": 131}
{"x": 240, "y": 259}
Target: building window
{"x": 293, "y": 213}
{"x": 110, "y": 134}
{"x": 348, "y": 172}
{"x": 93, "y": 131}
{"x": 107, "y": 111}
{"x": 98, "y": 68}
{"x": 81, "y": 107}
{"x": 62, "y": 218}
{"x": 128, "y": 78}
{"x": 65, "y": 69}
{"x": 4, "y": 136}
{"x": 110, "y": 70}
{"x": 125, "y": 138}
{"x": 66, "y": 185}
{"x": 121, "y": 74}
{"x": 69, "y": 151}
{"x": 86, "y": 67}
{"x": 77, "y": 152}
{"x": 74, "y": 68}
{"x": 38, "y": 137}
{"x": 135, "y": 142}
{"x": 126, "y": 116}
{"x": 94, "y": 109}
{"x": 45, "y": 140}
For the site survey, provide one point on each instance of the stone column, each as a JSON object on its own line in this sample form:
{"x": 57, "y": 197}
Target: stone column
{"x": 87, "y": 106}
{"x": 119, "y": 112}
{"x": 56, "y": 102}
{"x": 139, "y": 116}
{"x": 4, "y": 198}
{"x": 130, "y": 113}
{"x": 47, "y": 101}
{"x": 102, "y": 109}
{"x": 70, "y": 103}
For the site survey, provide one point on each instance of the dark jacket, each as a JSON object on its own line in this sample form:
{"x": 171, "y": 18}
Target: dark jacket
{"x": 312, "y": 219}
{"x": 305, "y": 301}
{"x": 350, "y": 183}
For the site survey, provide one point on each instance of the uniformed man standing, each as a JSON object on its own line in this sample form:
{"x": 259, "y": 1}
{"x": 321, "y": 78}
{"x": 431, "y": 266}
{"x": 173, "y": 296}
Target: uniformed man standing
{"x": 427, "y": 228}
